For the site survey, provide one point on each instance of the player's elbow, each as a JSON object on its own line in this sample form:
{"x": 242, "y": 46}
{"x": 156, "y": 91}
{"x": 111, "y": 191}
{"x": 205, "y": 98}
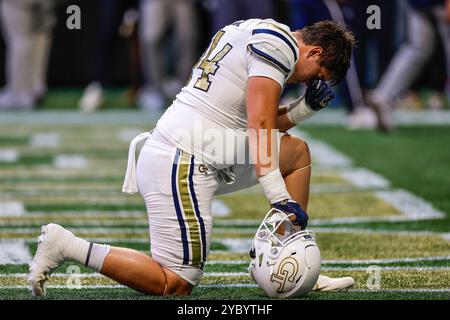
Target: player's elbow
{"x": 260, "y": 122}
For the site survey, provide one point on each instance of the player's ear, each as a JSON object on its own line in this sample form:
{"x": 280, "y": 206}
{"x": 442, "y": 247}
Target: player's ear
{"x": 315, "y": 52}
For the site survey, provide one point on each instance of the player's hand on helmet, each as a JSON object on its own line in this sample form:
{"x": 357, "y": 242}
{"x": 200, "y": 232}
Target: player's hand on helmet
{"x": 290, "y": 206}
{"x": 318, "y": 94}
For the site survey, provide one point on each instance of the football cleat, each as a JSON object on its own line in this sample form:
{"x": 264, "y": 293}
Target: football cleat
{"x": 383, "y": 111}
{"x": 93, "y": 98}
{"x": 325, "y": 283}
{"x": 49, "y": 255}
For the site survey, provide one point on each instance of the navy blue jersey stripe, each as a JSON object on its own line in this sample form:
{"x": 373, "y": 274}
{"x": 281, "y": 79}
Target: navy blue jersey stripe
{"x": 176, "y": 202}
{"x": 269, "y": 58}
{"x": 197, "y": 211}
{"x": 278, "y": 35}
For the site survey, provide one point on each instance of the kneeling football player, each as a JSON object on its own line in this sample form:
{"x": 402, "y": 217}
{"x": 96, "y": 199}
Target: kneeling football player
{"x": 234, "y": 89}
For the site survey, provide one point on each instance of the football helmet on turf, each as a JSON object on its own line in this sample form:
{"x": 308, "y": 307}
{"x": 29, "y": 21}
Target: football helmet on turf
{"x": 285, "y": 262}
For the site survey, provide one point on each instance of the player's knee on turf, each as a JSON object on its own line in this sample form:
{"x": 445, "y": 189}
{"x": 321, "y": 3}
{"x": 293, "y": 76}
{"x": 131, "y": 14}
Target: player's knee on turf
{"x": 175, "y": 285}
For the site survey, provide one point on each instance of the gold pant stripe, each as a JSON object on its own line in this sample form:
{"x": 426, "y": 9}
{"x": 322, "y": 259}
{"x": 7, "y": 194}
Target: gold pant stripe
{"x": 188, "y": 209}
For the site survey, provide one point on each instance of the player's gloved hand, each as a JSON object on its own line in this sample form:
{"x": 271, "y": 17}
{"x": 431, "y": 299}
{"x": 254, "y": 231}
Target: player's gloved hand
{"x": 318, "y": 94}
{"x": 290, "y": 206}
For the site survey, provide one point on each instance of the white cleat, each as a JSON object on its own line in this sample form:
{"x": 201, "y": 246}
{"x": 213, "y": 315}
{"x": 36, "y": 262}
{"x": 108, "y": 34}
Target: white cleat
{"x": 92, "y": 99}
{"x": 325, "y": 283}
{"x": 49, "y": 255}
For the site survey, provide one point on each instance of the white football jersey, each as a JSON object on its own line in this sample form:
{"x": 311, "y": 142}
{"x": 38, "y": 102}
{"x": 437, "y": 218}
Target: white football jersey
{"x": 211, "y": 109}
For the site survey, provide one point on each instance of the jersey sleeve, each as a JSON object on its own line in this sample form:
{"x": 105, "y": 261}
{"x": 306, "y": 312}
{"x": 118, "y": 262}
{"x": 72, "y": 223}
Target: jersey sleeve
{"x": 260, "y": 68}
{"x": 275, "y": 45}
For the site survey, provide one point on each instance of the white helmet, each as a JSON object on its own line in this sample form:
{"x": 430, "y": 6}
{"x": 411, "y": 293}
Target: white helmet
{"x": 285, "y": 263}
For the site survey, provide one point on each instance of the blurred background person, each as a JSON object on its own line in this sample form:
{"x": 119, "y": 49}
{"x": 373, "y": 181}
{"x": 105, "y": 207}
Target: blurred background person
{"x": 27, "y": 32}
{"x": 228, "y": 11}
{"x": 408, "y": 62}
{"x": 114, "y": 16}
{"x": 168, "y": 40}
{"x": 307, "y": 12}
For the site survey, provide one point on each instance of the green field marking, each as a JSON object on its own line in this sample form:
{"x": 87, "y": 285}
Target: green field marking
{"x": 393, "y": 156}
{"x": 226, "y": 266}
{"x": 59, "y": 176}
{"x": 218, "y": 293}
{"x": 96, "y": 279}
{"x": 380, "y": 246}
{"x": 329, "y": 179}
{"x": 30, "y": 160}
{"x": 140, "y": 246}
{"x": 63, "y": 190}
{"x": 333, "y": 246}
{"x": 70, "y": 221}
{"x": 229, "y": 256}
{"x": 321, "y": 206}
{"x": 92, "y": 152}
{"x": 72, "y": 132}
{"x": 401, "y": 279}
{"x": 7, "y": 140}
{"x": 34, "y": 166}
{"x": 92, "y": 206}
{"x": 42, "y": 184}
{"x": 389, "y": 279}
{"x": 245, "y": 206}
{"x": 362, "y": 204}
{"x": 121, "y": 199}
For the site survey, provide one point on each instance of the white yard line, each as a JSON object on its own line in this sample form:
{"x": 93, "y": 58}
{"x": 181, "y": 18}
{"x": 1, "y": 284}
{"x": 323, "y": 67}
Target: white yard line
{"x": 9, "y": 155}
{"x": 14, "y": 252}
{"x": 70, "y": 161}
{"x": 410, "y": 205}
{"x": 220, "y": 208}
{"x": 236, "y": 245}
{"x": 45, "y": 140}
{"x": 364, "y": 178}
{"x": 11, "y": 209}
{"x": 323, "y": 154}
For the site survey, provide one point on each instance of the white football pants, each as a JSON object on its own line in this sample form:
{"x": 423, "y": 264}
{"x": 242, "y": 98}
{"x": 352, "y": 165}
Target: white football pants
{"x": 178, "y": 192}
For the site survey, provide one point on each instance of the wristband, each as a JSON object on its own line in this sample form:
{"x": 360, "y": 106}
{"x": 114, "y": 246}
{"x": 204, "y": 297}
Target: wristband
{"x": 274, "y": 186}
{"x": 299, "y": 111}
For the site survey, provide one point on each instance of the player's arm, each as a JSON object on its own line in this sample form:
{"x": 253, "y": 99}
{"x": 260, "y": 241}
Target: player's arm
{"x": 317, "y": 96}
{"x": 263, "y": 95}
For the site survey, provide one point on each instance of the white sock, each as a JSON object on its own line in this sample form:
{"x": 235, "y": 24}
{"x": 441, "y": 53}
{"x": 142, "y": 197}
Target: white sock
{"x": 90, "y": 254}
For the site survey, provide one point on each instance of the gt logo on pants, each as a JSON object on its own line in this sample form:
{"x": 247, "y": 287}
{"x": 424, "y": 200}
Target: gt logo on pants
{"x": 287, "y": 271}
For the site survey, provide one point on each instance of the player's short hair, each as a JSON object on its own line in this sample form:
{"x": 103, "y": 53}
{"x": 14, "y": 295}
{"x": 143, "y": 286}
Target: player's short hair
{"x": 337, "y": 43}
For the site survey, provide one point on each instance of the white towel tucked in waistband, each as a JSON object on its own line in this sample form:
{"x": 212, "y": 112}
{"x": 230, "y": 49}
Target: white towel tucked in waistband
{"x": 130, "y": 182}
